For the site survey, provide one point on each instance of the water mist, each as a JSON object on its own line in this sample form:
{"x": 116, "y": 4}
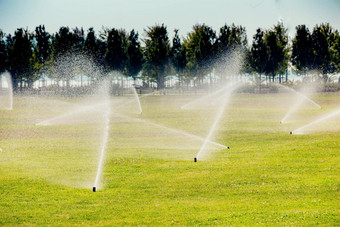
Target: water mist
{"x": 302, "y": 129}
{"x": 6, "y": 91}
{"x": 301, "y": 98}
{"x": 225, "y": 98}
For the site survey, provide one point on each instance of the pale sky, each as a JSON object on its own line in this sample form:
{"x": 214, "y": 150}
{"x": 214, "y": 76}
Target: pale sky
{"x": 180, "y": 14}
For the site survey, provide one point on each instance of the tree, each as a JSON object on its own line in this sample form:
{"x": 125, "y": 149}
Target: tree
{"x": 323, "y": 40}
{"x": 62, "y": 42}
{"x": 277, "y": 49}
{"x": 78, "y": 40}
{"x": 178, "y": 58}
{"x": 95, "y": 47}
{"x": 335, "y": 51}
{"x": 115, "y": 55}
{"x": 90, "y": 44}
{"x": 3, "y": 52}
{"x": 302, "y": 53}
{"x": 19, "y": 58}
{"x": 200, "y": 51}
{"x": 156, "y": 53}
{"x": 231, "y": 40}
{"x": 42, "y": 50}
{"x": 134, "y": 56}
{"x": 67, "y": 53}
{"x": 63, "y": 47}
{"x": 258, "y": 55}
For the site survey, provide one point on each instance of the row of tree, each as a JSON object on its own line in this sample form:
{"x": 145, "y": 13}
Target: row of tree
{"x": 203, "y": 52}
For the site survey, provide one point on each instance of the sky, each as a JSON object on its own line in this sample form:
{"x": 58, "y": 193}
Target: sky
{"x": 175, "y": 14}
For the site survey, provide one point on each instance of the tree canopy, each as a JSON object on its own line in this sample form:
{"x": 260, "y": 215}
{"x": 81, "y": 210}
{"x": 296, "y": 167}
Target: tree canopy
{"x": 201, "y": 53}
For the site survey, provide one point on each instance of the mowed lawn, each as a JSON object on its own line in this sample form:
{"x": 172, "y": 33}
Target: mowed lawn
{"x": 267, "y": 177}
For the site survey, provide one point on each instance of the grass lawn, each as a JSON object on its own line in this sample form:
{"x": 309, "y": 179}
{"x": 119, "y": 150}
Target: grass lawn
{"x": 267, "y": 177}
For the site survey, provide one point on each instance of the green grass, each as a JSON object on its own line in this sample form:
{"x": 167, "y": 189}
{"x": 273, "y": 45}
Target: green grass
{"x": 268, "y": 177}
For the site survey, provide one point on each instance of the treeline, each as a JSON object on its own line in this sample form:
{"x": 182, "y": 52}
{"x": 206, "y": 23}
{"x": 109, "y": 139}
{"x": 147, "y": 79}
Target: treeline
{"x": 204, "y": 52}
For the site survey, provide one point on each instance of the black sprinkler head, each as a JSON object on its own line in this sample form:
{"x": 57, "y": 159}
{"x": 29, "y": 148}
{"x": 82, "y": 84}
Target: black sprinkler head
{"x": 94, "y": 189}
{"x": 195, "y": 159}
{"x": 291, "y": 133}
{"x": 228, "y": 147}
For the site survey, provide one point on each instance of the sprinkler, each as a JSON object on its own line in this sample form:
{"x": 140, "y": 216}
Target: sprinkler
{"x": 94, "y": 189}
{"x": 228, "y": 147}
{"x": 291, "y": 133}
{"x": 195, "y": 159}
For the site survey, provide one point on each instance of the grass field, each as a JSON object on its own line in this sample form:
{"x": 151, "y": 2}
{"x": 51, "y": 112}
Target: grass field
{"x": 267, "y": 177}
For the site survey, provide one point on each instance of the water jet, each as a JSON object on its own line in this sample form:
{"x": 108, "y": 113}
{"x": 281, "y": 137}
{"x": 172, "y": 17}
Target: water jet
{"x": 6, "y": 91}
{"x": 179, "y": 132}
{"x": 226, "y": 97}
{"x": 323, "y": 118}
{"x": 301, "y": 98}
{"x": 137, "y": 100}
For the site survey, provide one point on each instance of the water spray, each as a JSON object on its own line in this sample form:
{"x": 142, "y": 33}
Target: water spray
{"x": 325, "y": 117}
{"x": 226, "y": 95}
{"x": 102, "y": 151}
{"x": 104, "y": 141}
{"x": 298, "y": 103}
{"x": 9, "y": 99}
{"x": 186, "y": 106}
{"x": 192, "y": 136}
{"x": 79, "y": 110}
{"x": 137, "y": 99}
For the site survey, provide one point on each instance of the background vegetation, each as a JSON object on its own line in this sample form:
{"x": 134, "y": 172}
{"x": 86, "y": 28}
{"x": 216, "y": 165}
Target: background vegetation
{"x": 29, "y": 55}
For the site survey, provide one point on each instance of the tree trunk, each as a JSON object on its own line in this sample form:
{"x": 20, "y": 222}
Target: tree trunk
{"x": 260, "y": 90}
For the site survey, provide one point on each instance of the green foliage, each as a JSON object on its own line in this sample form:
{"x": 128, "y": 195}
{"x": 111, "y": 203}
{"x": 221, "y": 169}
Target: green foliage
{"x": 200, "y": 51}
{"x": 42, "y": 51}
{"x": 3, "y": 52}
{"x": 302, "y": 53}
{"x": 178, "y": 57}
{"x": 156, "y": 54}
{"x": 62, "y": 42}
{"x": 94, "y": 47}
{"x": 90, "y": 44}
{"x": 277, "y": 49}
{"x": 231, "y": 40}
{"x": 43, "y": 48}
{"x": 335, "y": 51}
{"x": 134, "y": 56}
{"x": 203, "y": 53}
{"x": 20, "y": 57}
{"x": 258, "y": 53}
{"x": 324, "y": 38}
{"x": 115, "y": 55}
